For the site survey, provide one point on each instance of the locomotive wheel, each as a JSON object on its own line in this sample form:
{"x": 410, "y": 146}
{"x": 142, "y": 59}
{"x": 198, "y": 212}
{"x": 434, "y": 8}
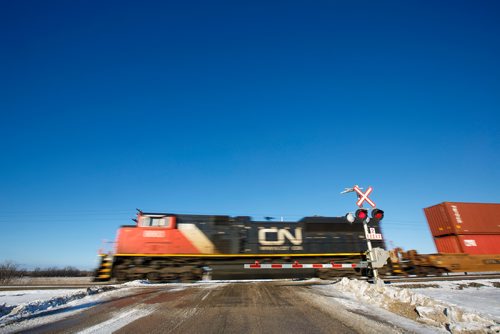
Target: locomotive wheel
{"x": 169, "y": 277}
{"x": 153, "y": 277}
{"x": 187, "y": 277}
{"x": 120, "y": 273}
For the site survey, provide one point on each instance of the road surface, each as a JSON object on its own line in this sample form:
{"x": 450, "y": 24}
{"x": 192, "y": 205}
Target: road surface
{"x": 248, "y": 307}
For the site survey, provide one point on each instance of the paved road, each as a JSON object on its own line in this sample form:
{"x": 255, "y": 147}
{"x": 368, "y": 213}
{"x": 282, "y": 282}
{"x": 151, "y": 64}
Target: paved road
{"x": 257, "y": 307}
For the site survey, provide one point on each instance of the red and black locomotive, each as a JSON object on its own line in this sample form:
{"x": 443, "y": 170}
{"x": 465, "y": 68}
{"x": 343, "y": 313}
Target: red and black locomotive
{"x": 181, "y": 247}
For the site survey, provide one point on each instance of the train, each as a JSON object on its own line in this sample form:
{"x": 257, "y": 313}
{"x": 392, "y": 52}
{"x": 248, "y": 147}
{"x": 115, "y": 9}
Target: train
{"x": 171, "y": 247}
{"x": 406, "y": 263}
{"x": 467, "y": 238}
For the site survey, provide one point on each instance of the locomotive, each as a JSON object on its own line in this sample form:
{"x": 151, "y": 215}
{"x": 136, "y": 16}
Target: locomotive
{"x": 168, "y": 247}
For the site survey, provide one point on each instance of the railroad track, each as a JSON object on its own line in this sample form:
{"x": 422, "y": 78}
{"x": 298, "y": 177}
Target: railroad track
{"x": 387, "y": 280}
{"x": 453, "y": 277}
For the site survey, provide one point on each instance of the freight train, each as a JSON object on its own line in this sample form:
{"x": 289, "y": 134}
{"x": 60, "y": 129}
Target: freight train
{"x": 467, "y": 237}
{"x": 182, "y": 247}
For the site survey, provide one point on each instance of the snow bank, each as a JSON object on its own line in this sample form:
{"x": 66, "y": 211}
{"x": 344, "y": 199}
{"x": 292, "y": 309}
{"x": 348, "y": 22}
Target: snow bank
{"x": 419, "y": 307}
{"x": 19, "y": 305}
{"x": 11, "y": 312}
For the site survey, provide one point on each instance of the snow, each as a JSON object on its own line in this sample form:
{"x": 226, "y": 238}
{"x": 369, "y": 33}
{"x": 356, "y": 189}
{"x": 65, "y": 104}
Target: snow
{"x": 465, "y": 294}
{"x": 456, "y": 307}
{"x": 118, "y": 321}
{"x": 24, "y": 309}
{"x": 24, "y": 304}
{"x": 26, "y": 296}
{"x": 424, "y": 307}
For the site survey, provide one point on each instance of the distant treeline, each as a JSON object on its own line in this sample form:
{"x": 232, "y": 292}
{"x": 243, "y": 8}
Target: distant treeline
{"x": 10, "y": 270}
{"x": 57, "y": 272}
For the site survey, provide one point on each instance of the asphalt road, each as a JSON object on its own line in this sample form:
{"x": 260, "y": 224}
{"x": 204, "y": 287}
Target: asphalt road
{"x": 250, "y": 307}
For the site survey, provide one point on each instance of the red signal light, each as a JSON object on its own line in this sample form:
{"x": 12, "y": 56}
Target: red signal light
{"x": 377, "y": 215}
{"x": 361, "y": 214}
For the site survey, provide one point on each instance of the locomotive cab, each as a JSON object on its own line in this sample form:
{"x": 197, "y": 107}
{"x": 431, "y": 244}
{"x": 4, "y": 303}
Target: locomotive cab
{"x": 153, "y": 234}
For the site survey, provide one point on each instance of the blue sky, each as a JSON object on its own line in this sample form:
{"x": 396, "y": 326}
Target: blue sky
{"x": 255, "y": 108}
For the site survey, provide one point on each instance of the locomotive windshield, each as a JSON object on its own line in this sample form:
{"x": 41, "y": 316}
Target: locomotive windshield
{"x": 161, "y": 221}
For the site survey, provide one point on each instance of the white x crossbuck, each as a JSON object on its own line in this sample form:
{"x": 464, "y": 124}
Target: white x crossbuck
{"x": 364, "y": 196}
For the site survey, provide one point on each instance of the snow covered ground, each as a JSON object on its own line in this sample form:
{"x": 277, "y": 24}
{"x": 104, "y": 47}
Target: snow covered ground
{"x": 448, "y": 306}
{"x": 19, "y": 305}
{"x": 439, "y": 306}
{"x": 50, "y": 281}
{"x": 24, "y": 309}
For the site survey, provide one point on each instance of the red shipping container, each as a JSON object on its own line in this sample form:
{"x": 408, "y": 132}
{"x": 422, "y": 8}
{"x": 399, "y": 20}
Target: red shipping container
{"x": 469, "y": 244}
{"x": 463, "y": 218}
{"x": 448, "y": 244}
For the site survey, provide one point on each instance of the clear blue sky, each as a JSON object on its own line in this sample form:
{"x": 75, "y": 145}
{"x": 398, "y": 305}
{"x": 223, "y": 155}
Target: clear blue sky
{"x": 258, "y": 108}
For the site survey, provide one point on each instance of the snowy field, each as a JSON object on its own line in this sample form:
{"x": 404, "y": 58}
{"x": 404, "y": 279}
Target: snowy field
{"x": 447, "y": 306}
{"x": 50, "y": 281}
{"x": 427, "y": 307}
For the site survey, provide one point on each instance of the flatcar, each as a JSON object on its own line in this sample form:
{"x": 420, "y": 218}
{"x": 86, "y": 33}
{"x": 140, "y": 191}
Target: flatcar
{"x": 467, "y": 237}
{"x": 170, "y": 247}
{"x": 405, "y": 263}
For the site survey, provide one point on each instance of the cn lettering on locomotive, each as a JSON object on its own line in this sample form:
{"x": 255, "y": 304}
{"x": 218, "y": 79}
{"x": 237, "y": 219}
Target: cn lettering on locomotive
{"x": 281, "y": 236}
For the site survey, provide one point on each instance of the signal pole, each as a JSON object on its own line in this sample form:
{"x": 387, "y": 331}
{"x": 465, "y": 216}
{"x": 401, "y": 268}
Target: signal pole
{"x": 370, "y": 251}
{"x": 362, "y": 216}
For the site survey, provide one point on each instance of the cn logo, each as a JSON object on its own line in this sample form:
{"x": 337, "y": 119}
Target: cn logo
{"x": 281, "y": 235}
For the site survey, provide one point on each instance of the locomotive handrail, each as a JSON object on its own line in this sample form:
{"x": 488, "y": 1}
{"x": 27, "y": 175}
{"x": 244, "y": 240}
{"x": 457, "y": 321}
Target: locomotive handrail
{"x": 107, "y": 247}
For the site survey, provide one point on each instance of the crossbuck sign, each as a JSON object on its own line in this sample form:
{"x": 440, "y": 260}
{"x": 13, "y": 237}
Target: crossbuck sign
{"x": 364, "y": 196}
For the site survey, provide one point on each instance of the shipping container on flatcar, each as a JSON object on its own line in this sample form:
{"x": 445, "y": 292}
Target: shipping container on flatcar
{"x": 473, "y": 244}
{"x": 457, "y": 218}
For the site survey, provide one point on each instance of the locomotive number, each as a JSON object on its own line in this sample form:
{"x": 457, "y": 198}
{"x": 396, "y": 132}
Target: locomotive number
{"x": 153, "y": 234}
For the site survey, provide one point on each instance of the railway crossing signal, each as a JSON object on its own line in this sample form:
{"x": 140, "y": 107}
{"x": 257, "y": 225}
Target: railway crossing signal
{"x": 363, "y": 196}
{"x": 361, "y": 216}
